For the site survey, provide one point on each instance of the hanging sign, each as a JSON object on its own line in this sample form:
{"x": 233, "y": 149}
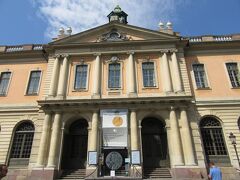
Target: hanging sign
{"x": 114, "y": 127}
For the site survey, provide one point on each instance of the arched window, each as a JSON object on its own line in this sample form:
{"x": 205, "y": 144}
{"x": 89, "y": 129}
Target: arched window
{"x": 22, "y": 144}
{"x": 213, "y": 140}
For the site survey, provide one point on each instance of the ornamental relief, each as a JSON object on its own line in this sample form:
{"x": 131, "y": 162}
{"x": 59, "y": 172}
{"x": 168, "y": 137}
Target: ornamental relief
{"x": 113, "y": 35}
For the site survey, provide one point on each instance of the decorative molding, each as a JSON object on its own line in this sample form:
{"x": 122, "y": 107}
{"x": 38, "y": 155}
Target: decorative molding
{"x": 113, "y": 35}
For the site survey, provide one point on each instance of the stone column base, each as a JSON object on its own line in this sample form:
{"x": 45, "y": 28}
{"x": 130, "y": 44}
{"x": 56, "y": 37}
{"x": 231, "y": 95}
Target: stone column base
{"x": 136, "y": 171}
{"x": 91, "y": 172}
{"x": 43, "y": 174}
{"x": 132, "y": 95}
{"x": 189, "y": 173}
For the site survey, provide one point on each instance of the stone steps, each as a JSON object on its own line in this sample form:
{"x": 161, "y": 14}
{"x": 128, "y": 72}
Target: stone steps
{"x": 76, "y": 174}
{"x": 157, "y": 173}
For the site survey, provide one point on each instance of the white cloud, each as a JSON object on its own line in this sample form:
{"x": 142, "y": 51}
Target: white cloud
{"x": 86, "y": 14}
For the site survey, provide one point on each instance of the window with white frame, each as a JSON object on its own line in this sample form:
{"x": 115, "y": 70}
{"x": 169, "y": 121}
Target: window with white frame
{"x": 148, "y": 74}
{"x": 114, "y": 75}
{"x": 33, "y": 83}
{"x": 233, "y": 73}
{"x": 200, "y": 76}
{"x": 4, "y": 82}
{"x": 81, "y": 77}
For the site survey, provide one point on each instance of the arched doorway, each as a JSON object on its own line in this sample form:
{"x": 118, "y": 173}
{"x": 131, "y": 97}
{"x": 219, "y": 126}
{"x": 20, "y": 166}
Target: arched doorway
{"x": 154, "y": 143}
{"x": 213, "y": 141}
{"x": 75, "y": 146}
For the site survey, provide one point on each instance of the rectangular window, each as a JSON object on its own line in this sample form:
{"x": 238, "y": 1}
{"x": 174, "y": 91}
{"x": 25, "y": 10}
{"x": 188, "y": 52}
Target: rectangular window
{"x": 4, "y": 82}
{"x": 114, "y": 75}
{"x": 33, "y": 84}
{"x": 233, "y": 73}
{"x": 148, "y": 74}
{"x": 81, "y": 77}
{"x": 200, "y": 76}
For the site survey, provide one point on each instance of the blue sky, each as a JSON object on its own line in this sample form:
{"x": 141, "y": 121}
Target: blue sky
{"x": 37, "y": 21}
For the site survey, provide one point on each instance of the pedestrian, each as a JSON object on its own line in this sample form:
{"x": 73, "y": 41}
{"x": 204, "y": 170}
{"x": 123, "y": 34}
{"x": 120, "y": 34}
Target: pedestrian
{"x": 215, "y": 172}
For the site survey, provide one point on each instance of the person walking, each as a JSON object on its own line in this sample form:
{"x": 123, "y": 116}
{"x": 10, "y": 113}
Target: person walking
{"x": 215, "y": 172}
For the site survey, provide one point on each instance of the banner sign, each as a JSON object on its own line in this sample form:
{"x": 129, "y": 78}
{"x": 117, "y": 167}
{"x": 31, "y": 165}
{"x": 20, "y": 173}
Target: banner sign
{"x": 114, "y": 127}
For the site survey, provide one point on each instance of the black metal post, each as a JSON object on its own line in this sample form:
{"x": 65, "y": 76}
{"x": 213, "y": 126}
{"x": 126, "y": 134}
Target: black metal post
{"x": 235, "y": 148}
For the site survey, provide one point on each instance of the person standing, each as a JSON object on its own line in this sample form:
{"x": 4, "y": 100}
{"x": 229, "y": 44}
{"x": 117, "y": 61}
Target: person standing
{"x": 215, "y": 172}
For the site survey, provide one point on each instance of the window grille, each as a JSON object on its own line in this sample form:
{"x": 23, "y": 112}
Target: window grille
{"x": 81, "y": 77}
{"x": 33, "y": 83}
{"x": 114, "y": 75}
{"x": 148, "y": 74}
{"x": 213, "y": 140}
{"x": 233, "y": 73}
{"x": 200, "y": 76}
{"x": 4, "y": 81}
{"x": 22, "y": 142}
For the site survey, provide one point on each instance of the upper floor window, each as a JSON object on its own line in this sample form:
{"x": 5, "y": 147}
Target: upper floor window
{"x": 114, "y": 73}
{"x": 81, "y": 77}
{"x": 33, "y": 84}
{"x": 200, "y": 76}
{"x": 4, "y": 82}
{"x": 148, "y": 74}
{"x": 233, "y": 73}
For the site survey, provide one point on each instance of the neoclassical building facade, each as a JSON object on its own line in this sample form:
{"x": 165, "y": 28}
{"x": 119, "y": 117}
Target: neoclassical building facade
{"x": 120, "y": 101}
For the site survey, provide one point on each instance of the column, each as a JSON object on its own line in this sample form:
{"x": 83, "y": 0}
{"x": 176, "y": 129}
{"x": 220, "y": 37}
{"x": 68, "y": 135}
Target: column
{"x": 97, "y": 77}
{"x": 131, "y": 80}
{"x": 175, "y": 139}
{"x": 63, "y": 77}
{"x": 187, "y": 140}
{"x": 166, "y": 73}
{"x": 177, "y": 74}
{"x": 55, "y": 141}
{"x": 44, "y": 140}
{"x": 94, "y": 132}
{"x": 134, "y": 130}
{"x": 55, "y": 76}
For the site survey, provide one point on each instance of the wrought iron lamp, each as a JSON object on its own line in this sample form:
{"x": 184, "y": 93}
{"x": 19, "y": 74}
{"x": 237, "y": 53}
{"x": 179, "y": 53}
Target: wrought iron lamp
{"x": 232, "y": 137}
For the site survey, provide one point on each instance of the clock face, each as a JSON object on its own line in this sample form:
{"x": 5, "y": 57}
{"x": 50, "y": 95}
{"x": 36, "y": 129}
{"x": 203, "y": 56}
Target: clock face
{"x": 114, "y": 160}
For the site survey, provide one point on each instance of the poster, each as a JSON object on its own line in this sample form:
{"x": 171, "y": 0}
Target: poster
{"x": 114, "y": 127}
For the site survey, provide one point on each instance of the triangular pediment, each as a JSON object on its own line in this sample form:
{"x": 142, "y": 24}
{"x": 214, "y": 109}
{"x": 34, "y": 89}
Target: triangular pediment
{"x": 112, "y": 32}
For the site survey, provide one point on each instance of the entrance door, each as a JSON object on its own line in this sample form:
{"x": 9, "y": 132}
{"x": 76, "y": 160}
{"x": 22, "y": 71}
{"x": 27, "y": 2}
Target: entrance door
{"x": 75, "y": 146}
{"x": 154, "y": 143}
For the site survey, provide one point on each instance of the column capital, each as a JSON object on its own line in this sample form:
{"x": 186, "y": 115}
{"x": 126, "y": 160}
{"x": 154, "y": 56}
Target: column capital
{"x": 57, "y": 56}
{"x": 173, "y": 108}
{"x": 132, "y": 109}
{"x": 174, "y": 50}
{"x": 97, "y": 54}
{"x": 65, "y": 56}
{"x": 164, "y": 51}
{"x": 130, "y": 52}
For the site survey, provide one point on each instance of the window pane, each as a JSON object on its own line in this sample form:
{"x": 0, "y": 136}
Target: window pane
{"x": 4, "y": 81}
{"x": 22, "y": 142}
{"x": 34, "y": 82}
{"x": 213, "y": 141}
{"x": 81, "y": 77}
{"x": 114, "y": 75}
{"x": 148, "y": 74}
{"x": 200, "y": 77}
{"x": 233, "y": 74}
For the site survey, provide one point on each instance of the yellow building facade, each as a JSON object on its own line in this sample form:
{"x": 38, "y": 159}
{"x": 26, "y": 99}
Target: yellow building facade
{"x": 120, "y": 101}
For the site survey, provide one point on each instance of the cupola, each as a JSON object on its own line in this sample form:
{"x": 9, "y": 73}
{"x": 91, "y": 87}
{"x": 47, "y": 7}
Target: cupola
{"x": 118, "y": 15}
